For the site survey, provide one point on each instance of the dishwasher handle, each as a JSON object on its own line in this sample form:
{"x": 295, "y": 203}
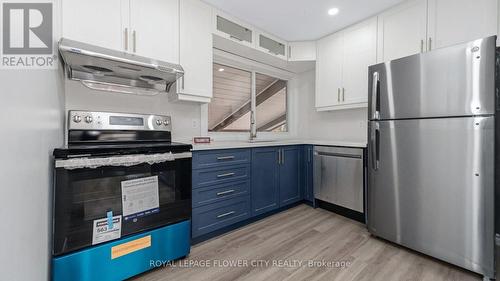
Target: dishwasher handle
{"x": 343, "y": 155}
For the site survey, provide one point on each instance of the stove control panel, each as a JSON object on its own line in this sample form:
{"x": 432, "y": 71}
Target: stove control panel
{"x": 91, "y": 120}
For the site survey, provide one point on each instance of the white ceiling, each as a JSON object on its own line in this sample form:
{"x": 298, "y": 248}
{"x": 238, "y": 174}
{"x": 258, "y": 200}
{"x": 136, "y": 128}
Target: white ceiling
{"x": 296, "y": 20}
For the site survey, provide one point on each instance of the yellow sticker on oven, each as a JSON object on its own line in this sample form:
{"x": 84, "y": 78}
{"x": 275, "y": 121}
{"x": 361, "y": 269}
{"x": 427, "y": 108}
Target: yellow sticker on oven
{"x": 130, "y": 247}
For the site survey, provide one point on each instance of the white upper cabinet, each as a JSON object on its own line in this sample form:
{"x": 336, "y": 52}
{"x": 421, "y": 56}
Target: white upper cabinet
{"x": 342, "y": 66}
{"x": 272, "y": 45}
{"x": 196, "y": 54}
{"x": 97, "y": 22}
{"x": 146, "y": 27}
{"x": 457, "y": 21}
{"x": 402, "y": 30}
{"x": 302, "y": 51}
{"x": 423, "y": 25}
{"x": 155, "y": 29}
{"x": 329, "y": 70}
{"x": 360, "y": 51}
{"x": 230, "y": 28}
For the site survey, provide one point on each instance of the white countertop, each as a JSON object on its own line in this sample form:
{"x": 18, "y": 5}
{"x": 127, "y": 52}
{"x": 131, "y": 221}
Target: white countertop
{"x": 247, "y": 144}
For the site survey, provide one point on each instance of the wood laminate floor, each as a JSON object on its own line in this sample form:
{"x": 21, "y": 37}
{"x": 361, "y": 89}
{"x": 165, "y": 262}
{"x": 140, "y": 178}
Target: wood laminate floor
{"x": 272, "y": 249}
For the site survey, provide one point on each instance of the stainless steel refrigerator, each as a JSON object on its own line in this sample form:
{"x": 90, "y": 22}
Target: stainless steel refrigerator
{"x": 431, "y": 153}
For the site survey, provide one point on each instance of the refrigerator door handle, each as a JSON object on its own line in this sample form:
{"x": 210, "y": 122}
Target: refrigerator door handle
{"x": 375, "y": 146}
{"x": 375, "y": 95}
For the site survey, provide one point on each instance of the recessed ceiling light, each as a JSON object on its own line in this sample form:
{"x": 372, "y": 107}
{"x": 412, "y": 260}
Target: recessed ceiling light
{"x": 221, "y": 69}
{"x": 333, "y": 11}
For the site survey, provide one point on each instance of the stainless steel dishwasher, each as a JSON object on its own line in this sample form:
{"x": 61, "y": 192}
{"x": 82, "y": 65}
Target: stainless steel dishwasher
{"x": 338, "y": 176}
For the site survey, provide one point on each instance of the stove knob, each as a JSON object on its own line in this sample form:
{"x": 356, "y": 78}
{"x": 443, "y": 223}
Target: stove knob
{"x": 88, "y": 119}
{"x": 158, "y": 122}
{"x": 77, "y": 119}
{"x": 166, "y": 122}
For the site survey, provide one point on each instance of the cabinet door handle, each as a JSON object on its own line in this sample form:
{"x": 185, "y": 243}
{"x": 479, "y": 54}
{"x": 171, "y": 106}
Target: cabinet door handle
{"x": 134, "y": 41}
{"x": 226, "y": 175}
{"x": 309, "y": 155}
{"x": 126, "y": 38}
{"x": 422, "y": 45}
{"x": 225, "y": 192}
{"x": 226, "y": 214}
{"x": 289, "y": 52}
{"x": 279, "y": 156}
{"x": 430, "y": 44}
{"x": 183, "y": 79}
{"x": 282, "y": 156}
{"x": 343, "y": 94}
{"x": 225, "y": 158}
{"x": 338, "y": 94}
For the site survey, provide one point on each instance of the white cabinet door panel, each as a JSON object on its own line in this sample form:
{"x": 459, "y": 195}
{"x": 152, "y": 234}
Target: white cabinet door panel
{"x": 96, "y": 22}
{"x": 457, "y": 21}
{"x": 302, "y": 51}
{"x": 360, "y": 51}
{"x": 196, "y": 48}
{"x": 155, "y": 29}
{"x": 402, "y": 30}
{"x": 329, "y": 70}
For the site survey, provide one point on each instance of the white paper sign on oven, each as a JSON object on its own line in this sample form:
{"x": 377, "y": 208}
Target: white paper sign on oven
{"x": 140, "y": 197}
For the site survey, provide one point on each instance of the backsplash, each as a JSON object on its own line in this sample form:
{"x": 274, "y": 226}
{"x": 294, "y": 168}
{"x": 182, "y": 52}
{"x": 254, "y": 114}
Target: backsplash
{"x": 185, "y": 116}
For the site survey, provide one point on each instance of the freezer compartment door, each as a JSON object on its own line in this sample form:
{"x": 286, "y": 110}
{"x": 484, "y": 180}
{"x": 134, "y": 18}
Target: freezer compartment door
{"x": 431, "y": 187}
{"x": 453, "y": 81}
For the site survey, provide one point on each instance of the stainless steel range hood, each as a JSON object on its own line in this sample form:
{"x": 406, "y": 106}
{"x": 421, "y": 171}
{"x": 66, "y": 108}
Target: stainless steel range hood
{"x": 109, "y": 70}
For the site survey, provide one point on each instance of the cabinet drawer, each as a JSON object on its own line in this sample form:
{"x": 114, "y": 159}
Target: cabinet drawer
{"x": 217, "y": 193}
{"x": 217, "y": 158}
{"x": 207, "y": 177}
{"x": 212, "y": 217}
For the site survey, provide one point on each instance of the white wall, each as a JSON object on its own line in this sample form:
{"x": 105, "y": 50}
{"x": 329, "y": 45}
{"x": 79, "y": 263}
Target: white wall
{"x": 184, "y": 114}
{"x": 31, "y": 125}
{"x": 340, "y": 125}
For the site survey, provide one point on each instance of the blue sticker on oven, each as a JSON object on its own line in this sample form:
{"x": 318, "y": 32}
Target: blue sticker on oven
{"x": 140, "y": 197}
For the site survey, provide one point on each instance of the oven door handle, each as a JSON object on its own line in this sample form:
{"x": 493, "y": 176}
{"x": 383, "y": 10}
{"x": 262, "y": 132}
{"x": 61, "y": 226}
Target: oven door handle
{"x": 126, "y": 160}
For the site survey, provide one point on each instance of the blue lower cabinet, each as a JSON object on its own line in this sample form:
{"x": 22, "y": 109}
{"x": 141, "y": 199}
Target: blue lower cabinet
{"x": 265, "y": 180}
{"x": 216, "y": 193}
{"x": 124, "y": 258}
{"x": 308, "y": 174}
{"x": 212, "y": 217}
{"x": 220, "y": 175}
{"x": 290, "y": 175}
{"x": 218, "y": 158}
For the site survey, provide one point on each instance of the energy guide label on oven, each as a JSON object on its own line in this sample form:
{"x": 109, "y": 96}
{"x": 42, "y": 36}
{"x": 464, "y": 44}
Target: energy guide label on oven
{"x": 106, "y": 229}
{"x": 140, "y": 197}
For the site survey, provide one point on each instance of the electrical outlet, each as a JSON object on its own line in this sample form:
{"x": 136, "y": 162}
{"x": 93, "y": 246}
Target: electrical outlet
{"x": 195, "y": 123}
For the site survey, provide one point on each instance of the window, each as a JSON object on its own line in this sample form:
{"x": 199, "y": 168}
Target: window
{"x": 231, "y": 106}
{"x": 271, "y": 94}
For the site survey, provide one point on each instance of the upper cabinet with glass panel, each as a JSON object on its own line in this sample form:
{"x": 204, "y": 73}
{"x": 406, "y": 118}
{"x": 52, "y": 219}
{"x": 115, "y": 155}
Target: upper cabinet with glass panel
{"x": 231, "y": 29}
{"x": 272, "y": 45}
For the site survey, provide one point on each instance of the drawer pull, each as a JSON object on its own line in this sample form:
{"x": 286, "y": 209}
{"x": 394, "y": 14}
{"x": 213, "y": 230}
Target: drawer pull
{"x": 226, "y": 214}
{"x": 225, "y": 158}
{"x": 225, "y": 192}
{"x": 225, "y": 175}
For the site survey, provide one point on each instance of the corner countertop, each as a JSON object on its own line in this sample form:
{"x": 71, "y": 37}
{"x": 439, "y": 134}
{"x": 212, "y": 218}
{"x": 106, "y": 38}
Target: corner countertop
{"x": 246, "y": 144}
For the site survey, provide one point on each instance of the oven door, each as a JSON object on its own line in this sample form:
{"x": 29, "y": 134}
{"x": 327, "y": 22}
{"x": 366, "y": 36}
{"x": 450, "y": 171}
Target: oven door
{"x": 102, "y": 199}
